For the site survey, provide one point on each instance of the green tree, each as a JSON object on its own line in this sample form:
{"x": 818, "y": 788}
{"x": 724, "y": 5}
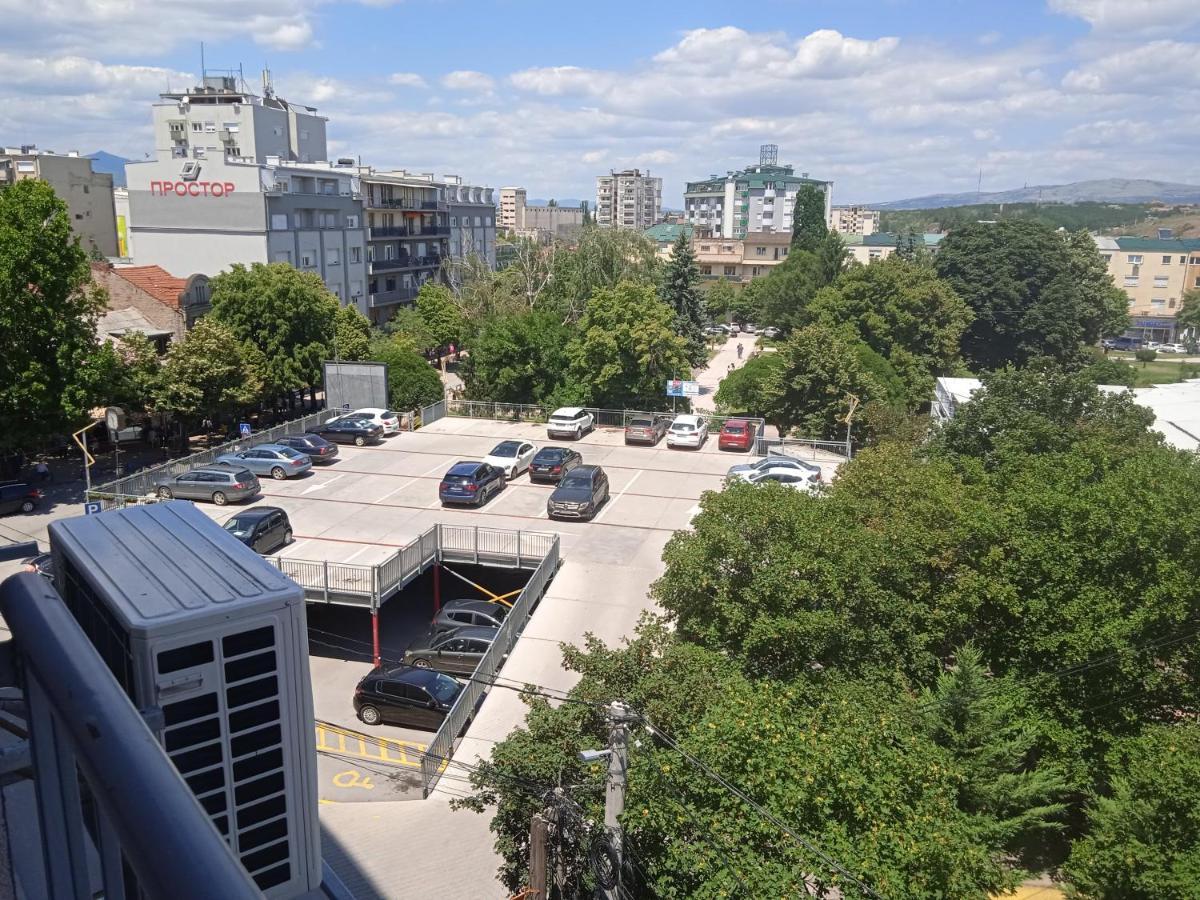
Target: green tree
{"x": 680, "y": 290}
{"x": 1100, "y": 369}
{"x": 1105, "y": 306}
{"x": 518, "y": 359}
{"x": 601, "y": 259}
{"x": 289, "y": 315}
{"x": 1188, "y": 317}
{"x": 440, "y": 314}
{"x": 808, "y": 217}
{"x": 407, "y": 325}
{"x": 719, "y": 299}
{"x": 351, "y": 335}
{"x": 744, "y": 390}
{"x": 1033, "y": 292}
{"x": 626, "y": 348}
{"x": 48, "y": 313}
{"x": 412, "y": 382}
{"x": 210, "y": 373}
{"x": 820, "y": 369}
{"x": 904, "y": 312}
{"x": 1144, "y": 836}
{"x": 1145, "y": 355}
{"x": 127, "y": 372}
{"x": 782, "y": 298}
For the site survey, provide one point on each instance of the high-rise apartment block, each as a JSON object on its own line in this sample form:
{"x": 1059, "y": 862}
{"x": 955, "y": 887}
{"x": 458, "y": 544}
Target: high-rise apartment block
{"x": 755, "y": 199}
{"x": 243, "y": 178}
{"x": 88, "y": 194}
{"x": 854, "y": 220}
{"x": 628, "y": 200}
{"x": 472, "y": 213}
{"x": 512, "y": 208}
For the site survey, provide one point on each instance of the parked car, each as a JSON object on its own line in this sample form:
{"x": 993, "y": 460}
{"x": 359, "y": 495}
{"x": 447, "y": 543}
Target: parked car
{"x": 646, "y": 429}
{"x": 570, "y": 421}
{"x": 513, "y": 457}
{"x": 749, "y": 329}
{"x": 687, "y": 431}
{"x": 1121, "y": 343}
{"x": 775, "y": 462}
{"x": 551, "y": 463}
{"x": 416, "y": 698}
{"x": 18, "y": 495}
{"x": 261, "y": 528}
{"x": 42, "y": 564}
{"x": 787, "y": 476}
{"x": 581, "y": 492}
{"x": 313, "y": 446}
{"x": 220, "y": 484}
{"x": 737, "y": 434}
{"x": 276, "y": 460}
{"x": 1171, "y": 348}
{"x": 457, "y": 651}
{"x": 349, "y": 431}
{"x": 458, "y": 613}
{"x": 384, "y": 418}
{"x": 770, "y": 332}
{"x": 471, "y": 482}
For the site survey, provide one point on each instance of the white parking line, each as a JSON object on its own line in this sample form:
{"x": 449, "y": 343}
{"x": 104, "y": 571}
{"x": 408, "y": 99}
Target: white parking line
{"x": 437, "y": 468}
{"x": 613, "y": 500}
{"x": 358, "y": 552}
{"x": 317, "y": 487}
{"x": 396, "y": 491}
{"x": 292, "y": 547}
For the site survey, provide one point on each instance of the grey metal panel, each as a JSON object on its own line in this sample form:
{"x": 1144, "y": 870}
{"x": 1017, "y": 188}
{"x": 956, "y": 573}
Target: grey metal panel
{"x": 359, "y": 384}
{"x": 169, "y": 562}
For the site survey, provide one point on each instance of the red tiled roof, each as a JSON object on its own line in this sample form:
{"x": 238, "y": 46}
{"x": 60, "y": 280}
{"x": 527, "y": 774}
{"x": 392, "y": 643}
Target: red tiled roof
{"x": 155, "y": 281}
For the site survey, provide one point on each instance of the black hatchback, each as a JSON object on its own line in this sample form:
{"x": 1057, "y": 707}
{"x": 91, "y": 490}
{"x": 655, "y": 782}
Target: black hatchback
{"x": 552, "y": 463}
{"x": 418, "y": 698}
{"x": 313, "y": 446}
{"x": 261, "y": 528}
{"x": 349, "y": 431}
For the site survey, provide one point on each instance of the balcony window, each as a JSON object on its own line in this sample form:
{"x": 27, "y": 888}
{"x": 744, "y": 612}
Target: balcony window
{"x": 1160, "y": 281}
{"x": 1131, "y": 281}
{"x": 356, "y": 254}
{"x": 1166, "y": 260}
{"x": 1135, "y": 259}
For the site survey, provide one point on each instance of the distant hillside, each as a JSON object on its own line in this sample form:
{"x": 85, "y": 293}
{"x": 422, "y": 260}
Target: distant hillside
{"x": 1071, "y": 216}
{"x": 1107, "y": 190}
{"x": 113, "y": 165}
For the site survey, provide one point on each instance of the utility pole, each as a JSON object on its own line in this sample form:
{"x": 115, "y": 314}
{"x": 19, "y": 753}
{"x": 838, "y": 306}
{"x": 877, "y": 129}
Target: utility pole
{"x": 537, "y": 858}
{"x": 853, "y": 402}
{"x": 619, "y": 717}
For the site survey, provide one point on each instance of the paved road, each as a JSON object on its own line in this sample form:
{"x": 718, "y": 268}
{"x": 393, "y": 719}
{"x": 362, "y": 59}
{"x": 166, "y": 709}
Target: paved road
{"x": 717, "y": 368}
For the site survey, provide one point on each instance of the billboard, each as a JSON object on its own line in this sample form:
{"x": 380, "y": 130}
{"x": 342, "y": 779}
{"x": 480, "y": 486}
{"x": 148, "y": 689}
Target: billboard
{"x": 356, "y": 385}
{"x": 677, "y": 388}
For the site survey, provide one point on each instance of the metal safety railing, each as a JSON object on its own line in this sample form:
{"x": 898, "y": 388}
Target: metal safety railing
{"x": 803, "y": 448}
{"x": 95, "y": 763}
{"x": 441, "y": 748}
{"x": 604, "y": 418}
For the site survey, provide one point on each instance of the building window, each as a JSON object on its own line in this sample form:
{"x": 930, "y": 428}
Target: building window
{"x": 356, "y": 254}
{"x": 488, "y": 221}
{"x": 390, "y": 284}
{"x": 306, "y": 261}
{"x": 279, "y": 223}
{"x": 1158, "y": 304}
{"x": 1160, "y": 281}
{"x": 373, "y": 286}
{"x": 760, "y": 251}
{"x": 388, "y": 250}
{"x": 210, "y": 127}
{"x": 1131, "y": 281}
{"x": 282, "y": 256}
{"x": 478, "y": 221}
{"x": 1171, "y": 303}
{"x": 198, "y": 127}
{"x": 1106, "y": 256}
{"x": 370, "y": 253}
{"x": 454, "y": 221}
{"x": 198, "y": 152}
{"x": 333, "y": 257}
{"x": 303, "y": 134}
{"x": 730, "y": 270}
{"x": 356, "y": 289}
{"x": 706, "y": 270}
{"x": 1135, "y": 259}
{"x": 783, "y": 251}
{"x": 1166, "y": 260}
{"x": 337, "y": 290}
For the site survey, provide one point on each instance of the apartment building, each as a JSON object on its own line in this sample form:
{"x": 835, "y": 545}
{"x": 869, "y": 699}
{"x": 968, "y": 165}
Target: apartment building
{"x": 88, "y": 194}
{"x": 472, "y": 212}
{"x": 408, "y": 234}
{"x": 512, "y": 206}
{"x": 882, "y": 244}
{"x": 753, "y": 200}
{"x": 853, "y": 220}
{"x": 628, "y": 200}
{"x": 1154, "y": 273}
{"x": 241, "y": 178}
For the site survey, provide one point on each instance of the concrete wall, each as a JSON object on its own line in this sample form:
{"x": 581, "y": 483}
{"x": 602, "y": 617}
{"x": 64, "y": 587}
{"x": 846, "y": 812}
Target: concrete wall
{"x": 88, "y": 196}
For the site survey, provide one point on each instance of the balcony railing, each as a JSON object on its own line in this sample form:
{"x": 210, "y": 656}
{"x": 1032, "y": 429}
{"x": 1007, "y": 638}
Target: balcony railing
{"x": 403, "y": 203}
{"x": 390, "y": 298}
{"x": 400, "y": 231}
{"x": 406, "y": 262}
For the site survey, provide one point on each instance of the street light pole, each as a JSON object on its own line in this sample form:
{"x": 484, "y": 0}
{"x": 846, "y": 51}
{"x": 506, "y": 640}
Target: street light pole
{"x": 619, "y": 717}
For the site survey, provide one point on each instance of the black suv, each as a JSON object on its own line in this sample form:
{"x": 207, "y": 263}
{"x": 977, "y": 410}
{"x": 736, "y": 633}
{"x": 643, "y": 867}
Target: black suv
{"x": 552, "y": 463}
{"x": 349, "y": 431}
{"x": 405, "y": 696}
{"x": 313, "y": 445}
{"x": 17, "y": 495}
{"x": 261, "y": 528}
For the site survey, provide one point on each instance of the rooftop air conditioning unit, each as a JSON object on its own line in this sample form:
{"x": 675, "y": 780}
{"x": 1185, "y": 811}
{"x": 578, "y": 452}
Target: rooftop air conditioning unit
{"x": 193, "y": 622}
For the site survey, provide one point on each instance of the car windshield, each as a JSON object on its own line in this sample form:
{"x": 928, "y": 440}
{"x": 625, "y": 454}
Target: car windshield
{"x": 444, "y": 688}
{"x": 683, "y": 426}
{"x": 576, "y": 480}
{"x": 640, "y": 423}
{"x": 551, "y": 455}
{"x": 388, "y": 414}
{"x": 505, "y": 448}
{"x": 239, "y": 527}
{"x": 734, "y": 429}
{"x": 290, "y": 453}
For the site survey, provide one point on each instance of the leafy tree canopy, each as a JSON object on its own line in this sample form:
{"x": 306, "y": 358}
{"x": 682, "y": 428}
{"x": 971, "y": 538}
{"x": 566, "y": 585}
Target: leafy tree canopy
{"x": 783, "y": 296}
{"x": 744, "y": 390}
{"x": 518, "y": 359}
{"x": 127, "y": 372}
{"x": 289, "y": 315}
{"x": 352, "y": 334}
{"x": 680, "y": 290}
{"x": 808, "y": 218}
{"x": 601, "y": 259}
{"x": 719, "y": 299}
{"x": 48, "y": 313}
{"x": 440, "y": 315}
{"x": 210, "y": 373}
{"x": 412, "y": 382}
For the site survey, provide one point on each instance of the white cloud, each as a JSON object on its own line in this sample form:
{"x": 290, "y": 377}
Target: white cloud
{"x": 557, "y": 81}
{"x": 406, "y": 79}
{"x": 285, "y": 35}
{"x": 468, "y": 80}
{"x": 1147, "y": 68}
{"x": 1138, "y": 16}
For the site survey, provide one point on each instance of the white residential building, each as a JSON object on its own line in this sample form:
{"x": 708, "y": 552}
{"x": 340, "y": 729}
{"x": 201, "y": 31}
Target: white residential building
{"x": 628, "y": 200}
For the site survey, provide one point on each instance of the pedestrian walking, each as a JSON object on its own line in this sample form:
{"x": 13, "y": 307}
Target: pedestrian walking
{"x": 42, "y": 470}
{"x": 739, "y": 351}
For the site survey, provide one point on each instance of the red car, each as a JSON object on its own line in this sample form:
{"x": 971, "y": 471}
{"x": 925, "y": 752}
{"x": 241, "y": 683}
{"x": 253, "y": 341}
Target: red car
{"x": 736, "y": 434}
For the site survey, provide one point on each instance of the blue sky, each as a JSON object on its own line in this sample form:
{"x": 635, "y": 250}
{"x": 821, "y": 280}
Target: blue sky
{"x": 888, "y": 98}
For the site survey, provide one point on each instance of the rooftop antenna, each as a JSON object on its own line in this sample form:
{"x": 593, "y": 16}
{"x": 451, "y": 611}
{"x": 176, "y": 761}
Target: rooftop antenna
{"x": 768, "y": 154}
{"x": 202, "y": 69}
{"x": 268, "y": 90}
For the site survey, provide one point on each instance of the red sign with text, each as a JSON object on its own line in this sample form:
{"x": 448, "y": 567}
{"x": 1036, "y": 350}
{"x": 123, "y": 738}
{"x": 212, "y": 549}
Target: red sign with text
{"x": 191, "y": 188}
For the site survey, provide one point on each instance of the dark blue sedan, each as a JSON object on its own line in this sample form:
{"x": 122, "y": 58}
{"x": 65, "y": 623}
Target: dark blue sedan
{"x": 471, "y": 483}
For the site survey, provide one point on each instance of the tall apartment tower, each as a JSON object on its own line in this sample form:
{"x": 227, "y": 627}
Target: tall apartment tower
{"x": 512, "y": 209}
{"x": 628, "y": 200}
{"x": 239, "y": 177}
{"x": 88, "y": 194}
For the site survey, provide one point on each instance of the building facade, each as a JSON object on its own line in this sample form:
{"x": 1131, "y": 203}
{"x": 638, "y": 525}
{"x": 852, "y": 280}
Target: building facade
{"x": 853, "y": 220}
{"x": 543, "y": 223}
{"x": 752, "y": 200}
{"x": 241, "y": 178}
{"x": 882, "y": 244}
{"x": 512, "y": 205}
{"x": 88, "y": 194}
{"x": 628, "y": 200}
{"x": 1154, "y": 273}
{"x": 472, "y": 212}
{"x": 408, "y": 234}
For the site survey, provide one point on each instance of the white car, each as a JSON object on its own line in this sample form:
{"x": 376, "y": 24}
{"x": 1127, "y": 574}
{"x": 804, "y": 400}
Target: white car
{"x": 768, "y": 463}
{"x": 384, "y": 418}
{"x": 570, "y": 421}
{"x": 789, "y": 476}
{"x": 513, "y": 457}
{"x": 687, "y": 431}
{"x": 1171, "y": 348}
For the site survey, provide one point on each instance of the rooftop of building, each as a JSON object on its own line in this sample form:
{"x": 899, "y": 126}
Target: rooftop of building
{"x": 753, "y": 176}
{"x": 154, "y": 280}
{"x": 667, "y": 232}
{"x": 1166, "y": 245}
{"x": 230, "y": 88}
{"x": 33, "y": 150}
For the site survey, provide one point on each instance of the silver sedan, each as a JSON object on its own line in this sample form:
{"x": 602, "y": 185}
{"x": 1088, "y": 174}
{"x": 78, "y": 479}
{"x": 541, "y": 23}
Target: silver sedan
{"x": 269, "y": 459}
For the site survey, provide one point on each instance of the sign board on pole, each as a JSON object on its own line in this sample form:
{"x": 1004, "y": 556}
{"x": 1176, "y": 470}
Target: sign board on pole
{"x": 345, "y": 407}
{"x": 244, "y": 429}
{"x": 677, "y": 388}
{"x": 92, "y": 507}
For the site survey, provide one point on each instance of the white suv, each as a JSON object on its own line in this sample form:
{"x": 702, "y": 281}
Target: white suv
{"x": 687, "y": 431}
{"x": 384, "y": 418}
{"x": 570, "y": 421}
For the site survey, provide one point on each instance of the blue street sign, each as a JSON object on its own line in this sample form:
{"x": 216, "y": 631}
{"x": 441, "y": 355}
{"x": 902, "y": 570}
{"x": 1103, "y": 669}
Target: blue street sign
{"x": 92, "y": 507}
{"x": 345, "y": 407}
{"x": 244, "y": 428}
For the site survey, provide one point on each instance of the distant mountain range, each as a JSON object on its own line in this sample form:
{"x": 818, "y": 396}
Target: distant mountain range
{"x": 1105, "y": 190}
{"x": 110, "y": 164}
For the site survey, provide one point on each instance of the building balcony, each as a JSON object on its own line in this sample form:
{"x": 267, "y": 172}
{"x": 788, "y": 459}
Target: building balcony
{"x": 431, "y": 261}
{"x": 401, "y": 231}
{"x": 413, "y": 205}
{"x": 391, "y": 298}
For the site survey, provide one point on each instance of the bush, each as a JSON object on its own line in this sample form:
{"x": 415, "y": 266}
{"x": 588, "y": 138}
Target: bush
{"x": 1145, "y": 356}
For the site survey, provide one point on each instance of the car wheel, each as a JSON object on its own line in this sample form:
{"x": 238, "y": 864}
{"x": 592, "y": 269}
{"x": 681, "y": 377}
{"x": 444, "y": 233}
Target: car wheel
{"x": 287, "y": 537}
{"x": 369, "y": 715}
{"x": 164, "y": 493}
{"x": 360, "y": 441}
{"x": 219, "y": 498}
{"x": 27, "y": 506}
{"x": 422, "y": 664}
{"x": 278, "y": 474}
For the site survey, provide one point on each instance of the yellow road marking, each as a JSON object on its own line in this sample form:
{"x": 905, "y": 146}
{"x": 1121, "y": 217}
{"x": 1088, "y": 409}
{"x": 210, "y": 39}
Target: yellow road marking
{"x": 378, "y": 749}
